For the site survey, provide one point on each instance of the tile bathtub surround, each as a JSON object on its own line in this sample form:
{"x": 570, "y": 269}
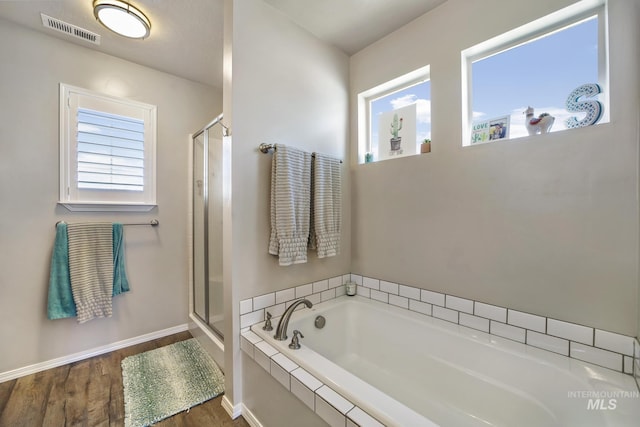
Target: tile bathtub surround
{"x": 527, "y": 321}
{"x": 329, "y": 405}
{"x": 614, "y": 342}
{"x": 459, "y": 304}
{"x": 570, "y": 331}
{"x": 254, "y": 310}
{"x": 547, "y": 342}
{"x": 608, "y": 349}
{"x": 596, "y": 356}
{"x": 493, "y": 312}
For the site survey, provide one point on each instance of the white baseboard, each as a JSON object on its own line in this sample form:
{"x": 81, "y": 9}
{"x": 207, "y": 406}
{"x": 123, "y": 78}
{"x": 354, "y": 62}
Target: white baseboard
{"x": 54, "y": 363}
{"x": 249, "y": 417}
{"x": 233, "y": 411}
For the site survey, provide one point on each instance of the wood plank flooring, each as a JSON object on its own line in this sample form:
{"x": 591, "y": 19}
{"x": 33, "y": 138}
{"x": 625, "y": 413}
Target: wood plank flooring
{"x": 90, "y": 393}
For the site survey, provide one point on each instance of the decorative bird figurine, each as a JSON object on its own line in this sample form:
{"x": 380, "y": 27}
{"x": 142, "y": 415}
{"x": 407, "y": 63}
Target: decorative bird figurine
{"x": 542, "y": 124}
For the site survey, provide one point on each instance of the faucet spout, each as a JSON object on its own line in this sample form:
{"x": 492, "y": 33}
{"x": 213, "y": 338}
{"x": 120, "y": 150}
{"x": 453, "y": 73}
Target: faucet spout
{"x": 281, "y": 330}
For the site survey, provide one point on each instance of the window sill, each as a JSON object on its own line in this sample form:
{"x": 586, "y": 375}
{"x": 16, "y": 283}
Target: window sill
{"x": 395, "y": 158}
{"x": 107, "y": 207}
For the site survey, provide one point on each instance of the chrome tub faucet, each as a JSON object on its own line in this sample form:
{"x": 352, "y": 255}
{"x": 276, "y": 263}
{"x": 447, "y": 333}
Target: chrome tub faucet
{"x": 281, "y": 330}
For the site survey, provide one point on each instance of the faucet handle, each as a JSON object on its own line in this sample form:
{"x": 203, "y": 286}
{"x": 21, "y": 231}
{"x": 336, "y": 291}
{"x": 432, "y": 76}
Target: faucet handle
{"x": 267, "y": 324}
{"x": 295, "y": 341}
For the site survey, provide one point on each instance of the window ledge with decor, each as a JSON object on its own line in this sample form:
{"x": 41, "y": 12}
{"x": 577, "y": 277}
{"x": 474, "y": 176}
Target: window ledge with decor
{"x": 107, "y": 152}
{"x": 549, "y": 75}
{"x": 394, "y": 118}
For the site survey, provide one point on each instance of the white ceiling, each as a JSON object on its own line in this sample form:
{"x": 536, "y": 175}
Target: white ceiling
{"x": 186, "y": 36}
{"x": 351, "y": 25}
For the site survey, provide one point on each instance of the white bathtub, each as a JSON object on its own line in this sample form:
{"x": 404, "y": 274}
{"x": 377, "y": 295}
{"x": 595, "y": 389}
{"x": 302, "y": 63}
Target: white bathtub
{"x": 406, "y": 369}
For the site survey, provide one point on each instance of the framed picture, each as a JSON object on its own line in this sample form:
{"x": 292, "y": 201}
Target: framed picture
{"x": 490, "y": 130}
{"x": 397, "y": 133}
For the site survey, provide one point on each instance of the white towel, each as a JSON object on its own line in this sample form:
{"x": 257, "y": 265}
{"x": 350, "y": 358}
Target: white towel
{"x": 91, "y": 268}
{"x": 290, "y": 204}
{"x": 326, "y": 202}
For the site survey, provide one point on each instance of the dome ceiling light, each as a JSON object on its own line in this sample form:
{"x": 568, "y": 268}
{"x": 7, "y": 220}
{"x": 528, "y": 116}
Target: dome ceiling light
{"x": 122, "y": 18}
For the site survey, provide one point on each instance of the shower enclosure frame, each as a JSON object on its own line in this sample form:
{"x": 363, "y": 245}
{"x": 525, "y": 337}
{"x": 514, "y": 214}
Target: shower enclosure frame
{"x": 215, "y": 341}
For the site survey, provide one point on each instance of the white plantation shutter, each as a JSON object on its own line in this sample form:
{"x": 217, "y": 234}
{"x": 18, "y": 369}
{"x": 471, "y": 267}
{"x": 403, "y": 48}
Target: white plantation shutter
{"x": 107, "y": 152}
{"x": 110, "y": 151}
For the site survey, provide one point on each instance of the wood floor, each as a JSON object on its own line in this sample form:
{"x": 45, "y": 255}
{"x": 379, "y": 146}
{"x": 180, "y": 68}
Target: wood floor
{"x": 89, "y": 393}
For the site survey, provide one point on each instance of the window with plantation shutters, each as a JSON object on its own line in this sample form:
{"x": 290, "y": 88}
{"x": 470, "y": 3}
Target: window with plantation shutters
{"x": 107, "y": 152}
{"x": 110, "y": 151}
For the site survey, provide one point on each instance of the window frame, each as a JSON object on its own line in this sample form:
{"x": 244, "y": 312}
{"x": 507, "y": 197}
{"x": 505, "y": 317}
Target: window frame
{"x": 530, "y": 32}
{"x": 366, "y": 97}
{"x": 76, "y": 199}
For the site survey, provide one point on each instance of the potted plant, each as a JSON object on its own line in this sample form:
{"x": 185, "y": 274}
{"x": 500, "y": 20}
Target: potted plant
{"x": 425, "y": 147}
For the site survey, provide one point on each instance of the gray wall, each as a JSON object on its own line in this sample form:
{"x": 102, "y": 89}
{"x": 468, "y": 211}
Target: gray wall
{"x": 33, "y": 65}
{"x": 545, "y": 224}
{"x": 287, "y": 88}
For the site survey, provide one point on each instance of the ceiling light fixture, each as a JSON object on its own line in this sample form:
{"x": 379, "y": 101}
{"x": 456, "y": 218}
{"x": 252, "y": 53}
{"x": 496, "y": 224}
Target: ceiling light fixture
{"x": 122, "y": 18}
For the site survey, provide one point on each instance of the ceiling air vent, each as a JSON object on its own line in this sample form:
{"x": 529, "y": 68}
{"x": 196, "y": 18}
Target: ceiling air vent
{"x": 69, "y": 29}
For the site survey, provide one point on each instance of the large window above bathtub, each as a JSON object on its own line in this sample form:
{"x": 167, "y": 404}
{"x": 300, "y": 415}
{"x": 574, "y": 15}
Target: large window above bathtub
{"x": 547, "y": 76}
{"x": 394, "y": 118}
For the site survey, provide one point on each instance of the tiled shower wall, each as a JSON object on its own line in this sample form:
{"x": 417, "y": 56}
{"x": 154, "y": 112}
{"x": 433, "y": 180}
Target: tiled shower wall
{"x": 607, "y": 349}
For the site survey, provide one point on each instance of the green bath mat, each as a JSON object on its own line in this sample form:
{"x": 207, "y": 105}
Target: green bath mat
{"x": 162, "y": 382}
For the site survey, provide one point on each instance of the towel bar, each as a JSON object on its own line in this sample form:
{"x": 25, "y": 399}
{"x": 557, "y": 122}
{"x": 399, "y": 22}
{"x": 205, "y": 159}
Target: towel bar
{"x": 265, "y": 148}
{"x": 153, "y": 223}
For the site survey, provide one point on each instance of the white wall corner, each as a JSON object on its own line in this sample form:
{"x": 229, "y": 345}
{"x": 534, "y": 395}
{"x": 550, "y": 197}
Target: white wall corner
{"x": 233, "y": 411}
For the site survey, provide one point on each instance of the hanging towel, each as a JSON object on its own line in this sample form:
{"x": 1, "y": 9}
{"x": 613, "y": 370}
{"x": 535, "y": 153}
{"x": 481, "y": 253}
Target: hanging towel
{"x": 290, "y": 204}
{"x": 120, "y": 282}
{"x": 326, "y": 204}
{"x": 91, "y": 268}
{"x": 60, "y": 301}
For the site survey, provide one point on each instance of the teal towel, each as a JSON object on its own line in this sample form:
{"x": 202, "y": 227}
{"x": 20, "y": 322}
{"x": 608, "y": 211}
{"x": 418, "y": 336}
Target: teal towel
{"x": 60, "y": 303}
{"x": 120, "y": 282}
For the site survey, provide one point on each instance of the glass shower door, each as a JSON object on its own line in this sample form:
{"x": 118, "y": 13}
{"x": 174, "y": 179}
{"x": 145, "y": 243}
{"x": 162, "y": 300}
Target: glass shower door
{"x": 207, "y": 228}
